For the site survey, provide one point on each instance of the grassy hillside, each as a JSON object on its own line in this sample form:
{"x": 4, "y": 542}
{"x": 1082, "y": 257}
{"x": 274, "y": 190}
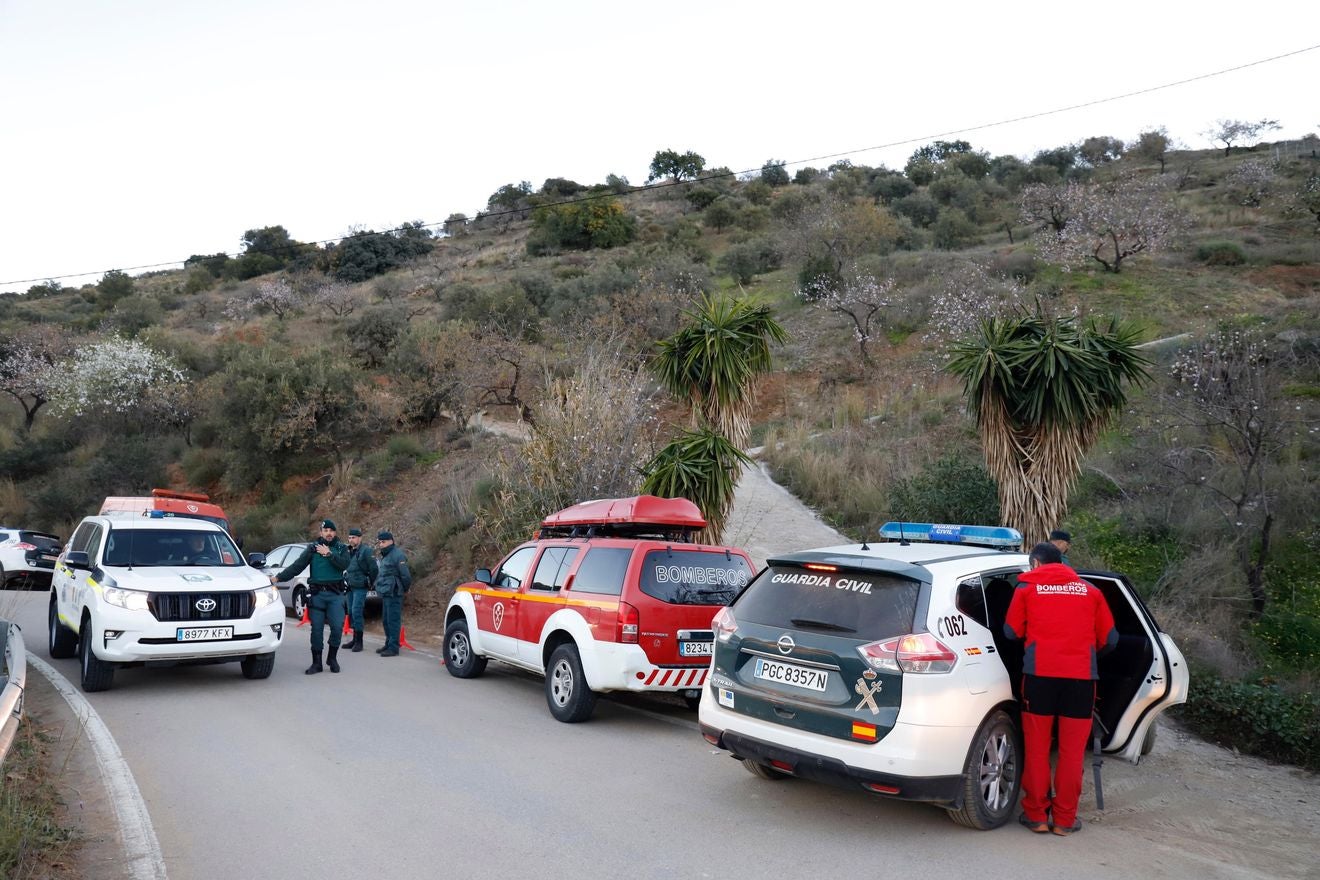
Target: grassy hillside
{"x": 342, "y": 383}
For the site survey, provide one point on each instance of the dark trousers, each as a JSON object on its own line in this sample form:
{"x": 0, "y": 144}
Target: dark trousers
{"x": 1070, "y": 701}
{"x": 357, "y": 600}
{"x": 326, "y": 608}
{"x": 391, "y": 613}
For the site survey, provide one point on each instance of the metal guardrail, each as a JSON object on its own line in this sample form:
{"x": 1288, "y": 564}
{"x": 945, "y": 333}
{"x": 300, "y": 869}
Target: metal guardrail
{"x": 13, "y": 676}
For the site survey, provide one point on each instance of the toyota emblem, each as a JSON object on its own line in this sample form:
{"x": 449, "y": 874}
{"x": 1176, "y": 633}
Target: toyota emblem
{"x": 206, "y": 605}
{"x": 786, "y": 644}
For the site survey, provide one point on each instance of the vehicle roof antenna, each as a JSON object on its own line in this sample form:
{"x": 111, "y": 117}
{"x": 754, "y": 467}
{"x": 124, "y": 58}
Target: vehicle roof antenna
{"x": 902, "y": 538}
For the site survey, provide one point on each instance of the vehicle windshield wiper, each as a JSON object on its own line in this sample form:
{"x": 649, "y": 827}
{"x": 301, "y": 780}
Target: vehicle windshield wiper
{"x": 821, "y": 624}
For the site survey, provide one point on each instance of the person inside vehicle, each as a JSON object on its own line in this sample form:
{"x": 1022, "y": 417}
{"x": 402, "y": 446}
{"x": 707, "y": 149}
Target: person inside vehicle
{"x": 200, "y": 551}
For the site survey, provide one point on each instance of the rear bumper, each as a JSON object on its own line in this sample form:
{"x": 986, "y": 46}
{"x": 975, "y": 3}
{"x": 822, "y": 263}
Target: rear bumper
{"x": 611, "y": 666}
{"x": 942, "y": 790}
{"x": 33, "y": 578}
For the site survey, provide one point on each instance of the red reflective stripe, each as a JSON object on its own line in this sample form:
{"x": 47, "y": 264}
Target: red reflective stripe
{"x": 651, "y": 677}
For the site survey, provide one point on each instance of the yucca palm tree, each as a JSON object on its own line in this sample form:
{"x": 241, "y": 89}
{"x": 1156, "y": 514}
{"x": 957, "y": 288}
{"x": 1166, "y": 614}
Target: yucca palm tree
{"x": 1042, "y": 390}
{"x": 703, "y": 467}
{"x": 712, "y": 363}
{"x": 714, "y": 360}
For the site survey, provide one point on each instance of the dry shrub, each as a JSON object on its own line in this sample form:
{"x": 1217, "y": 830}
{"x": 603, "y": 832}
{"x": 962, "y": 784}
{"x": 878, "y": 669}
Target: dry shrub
{"x": 590, "y": 437}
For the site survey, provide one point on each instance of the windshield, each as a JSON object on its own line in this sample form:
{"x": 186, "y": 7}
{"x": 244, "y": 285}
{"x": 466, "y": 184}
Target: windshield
{"x": 162, "y": 547}
{"x": 694, "y": 577}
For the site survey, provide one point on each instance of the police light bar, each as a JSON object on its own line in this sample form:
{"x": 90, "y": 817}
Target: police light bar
{"x": 998, "y": 537}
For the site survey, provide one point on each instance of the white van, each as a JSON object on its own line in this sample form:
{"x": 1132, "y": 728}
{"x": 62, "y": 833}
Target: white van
{"x": 160, "y": 590}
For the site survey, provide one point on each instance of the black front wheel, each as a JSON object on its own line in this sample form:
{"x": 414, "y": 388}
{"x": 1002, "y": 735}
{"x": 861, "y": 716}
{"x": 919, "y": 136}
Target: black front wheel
{"x": 460, "y": 658}
{"x": 96, "y": 674}
{"x": 299, "y": 602}
{"x": 992, "y": 777}
{"x": 566, "y": 690}
{"x": 257, "y": 666}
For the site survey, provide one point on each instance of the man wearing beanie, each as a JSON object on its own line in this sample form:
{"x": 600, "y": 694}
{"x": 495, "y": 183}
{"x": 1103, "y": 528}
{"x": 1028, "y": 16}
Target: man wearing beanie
{"x": 328, "y": 557}
{"x": 1065, "y": 624}
{"x": 360, "y": 575}
{"x": 1063, "y": 540}
{"x": 392, "y": 581}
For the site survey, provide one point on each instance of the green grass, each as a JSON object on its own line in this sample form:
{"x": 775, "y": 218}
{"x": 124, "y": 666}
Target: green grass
{"x": 34, "y": 843}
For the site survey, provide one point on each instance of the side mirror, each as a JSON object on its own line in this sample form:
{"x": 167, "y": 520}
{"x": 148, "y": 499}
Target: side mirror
{"x": 257, "y": 560}
{"x": 78, "y": 559}
{"x": 483, "y": 575}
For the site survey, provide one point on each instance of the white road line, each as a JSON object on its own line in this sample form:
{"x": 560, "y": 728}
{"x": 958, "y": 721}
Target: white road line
{"x": 145, "y": 861}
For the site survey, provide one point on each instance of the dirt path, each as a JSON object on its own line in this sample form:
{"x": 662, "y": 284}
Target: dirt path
{"x": 1239, "y": 816}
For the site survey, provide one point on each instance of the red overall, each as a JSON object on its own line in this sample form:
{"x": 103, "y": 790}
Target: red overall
{"x": 1064, "y": 623}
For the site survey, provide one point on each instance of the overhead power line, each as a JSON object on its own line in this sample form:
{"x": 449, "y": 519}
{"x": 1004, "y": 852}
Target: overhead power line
{"x": 664, "y": 184}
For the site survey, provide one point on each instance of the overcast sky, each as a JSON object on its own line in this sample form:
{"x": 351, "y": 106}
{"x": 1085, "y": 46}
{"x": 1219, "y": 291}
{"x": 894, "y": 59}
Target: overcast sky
{"x": 139, "y": 132}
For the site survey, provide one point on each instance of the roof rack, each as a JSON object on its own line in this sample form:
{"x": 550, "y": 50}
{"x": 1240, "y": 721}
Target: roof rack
{"x": 994, "y": 537}
{"x": 639, "y": 516}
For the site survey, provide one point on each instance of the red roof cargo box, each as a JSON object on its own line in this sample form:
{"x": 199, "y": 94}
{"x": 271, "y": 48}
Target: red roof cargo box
{"x": 678, "y": 513}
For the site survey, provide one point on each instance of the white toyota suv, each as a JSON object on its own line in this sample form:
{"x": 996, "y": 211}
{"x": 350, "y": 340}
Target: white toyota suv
{"x": 136, "y": 590}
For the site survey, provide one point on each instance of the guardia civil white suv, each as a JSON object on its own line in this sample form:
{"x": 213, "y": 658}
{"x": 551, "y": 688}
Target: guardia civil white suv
{"x": 885, "y": 667}
{"x": 137, "y": 590}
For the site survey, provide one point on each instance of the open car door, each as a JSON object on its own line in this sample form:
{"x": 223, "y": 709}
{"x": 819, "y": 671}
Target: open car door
{"x": 1140, "y": 678}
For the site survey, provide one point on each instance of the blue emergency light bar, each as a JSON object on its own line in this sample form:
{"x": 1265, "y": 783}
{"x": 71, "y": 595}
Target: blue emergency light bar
{"x": 997, "y": 537}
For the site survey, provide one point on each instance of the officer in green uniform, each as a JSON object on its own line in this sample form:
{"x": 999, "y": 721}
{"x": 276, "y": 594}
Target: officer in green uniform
{"x": 361, "y": 575}
{"x": 392, "y": 581}
{"x": 1063, "y": 540}
{"x": 328, "y": 557}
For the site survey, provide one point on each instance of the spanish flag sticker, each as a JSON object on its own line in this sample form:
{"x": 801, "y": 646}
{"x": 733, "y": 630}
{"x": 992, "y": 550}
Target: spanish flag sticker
{"x": 863, "y": 731}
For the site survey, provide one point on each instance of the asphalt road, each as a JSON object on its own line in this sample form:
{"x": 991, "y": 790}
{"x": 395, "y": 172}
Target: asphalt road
{"x": 394, "y": 768}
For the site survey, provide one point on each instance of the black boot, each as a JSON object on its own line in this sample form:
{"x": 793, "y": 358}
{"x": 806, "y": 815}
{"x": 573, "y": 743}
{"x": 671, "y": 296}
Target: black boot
{"x": 331, "y": 660}
{"x": 380, "y": 650}
{"x": 316, "y": 664}
{"x": 357, "y": 641}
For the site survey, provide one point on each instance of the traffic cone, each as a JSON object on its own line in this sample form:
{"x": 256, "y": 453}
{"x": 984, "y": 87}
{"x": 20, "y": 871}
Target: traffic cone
{"x": 348, "y": 625}
{"x": 306, "y": 618}
{"x": 403, "y": 638}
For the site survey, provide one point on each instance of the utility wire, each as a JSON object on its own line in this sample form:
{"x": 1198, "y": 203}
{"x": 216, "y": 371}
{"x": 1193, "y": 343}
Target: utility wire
{"x": 726, "y": 174}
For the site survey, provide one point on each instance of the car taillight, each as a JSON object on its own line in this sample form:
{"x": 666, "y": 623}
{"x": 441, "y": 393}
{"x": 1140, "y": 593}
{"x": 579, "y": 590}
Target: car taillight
{"x": 24, "y": 545}
{"x": 916, "y": 652}
{"x": 724, "y": 624}
{"x": 629, "y": 621}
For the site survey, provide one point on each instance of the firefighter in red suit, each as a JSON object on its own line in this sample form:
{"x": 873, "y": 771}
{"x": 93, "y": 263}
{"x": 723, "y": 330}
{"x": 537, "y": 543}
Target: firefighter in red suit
{"x": 1065, "y": 625}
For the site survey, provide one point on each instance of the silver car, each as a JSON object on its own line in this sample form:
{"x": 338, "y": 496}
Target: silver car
{"x": 294, "y": 590}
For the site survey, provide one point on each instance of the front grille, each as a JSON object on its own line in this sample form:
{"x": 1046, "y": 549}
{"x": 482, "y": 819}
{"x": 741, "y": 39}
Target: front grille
{"x": 183, "y": 606}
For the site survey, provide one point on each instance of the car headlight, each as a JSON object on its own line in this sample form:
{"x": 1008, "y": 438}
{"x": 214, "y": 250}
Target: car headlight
{"x": 132, "y": 600}
{"x": 266, "y": 596}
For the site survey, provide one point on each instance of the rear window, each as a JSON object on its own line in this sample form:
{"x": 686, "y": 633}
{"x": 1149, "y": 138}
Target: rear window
{"x": 39, "y": 539}
{"x": 694, "y": 577}
{"x": 603, "y": 570}
{"x": 872, "y": 605}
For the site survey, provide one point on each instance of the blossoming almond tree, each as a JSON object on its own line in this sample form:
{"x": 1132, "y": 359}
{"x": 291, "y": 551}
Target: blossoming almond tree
{"x": 1111, "y": 221}
{"x": 115, "y": 375}
{"x": 29, "y": 368}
